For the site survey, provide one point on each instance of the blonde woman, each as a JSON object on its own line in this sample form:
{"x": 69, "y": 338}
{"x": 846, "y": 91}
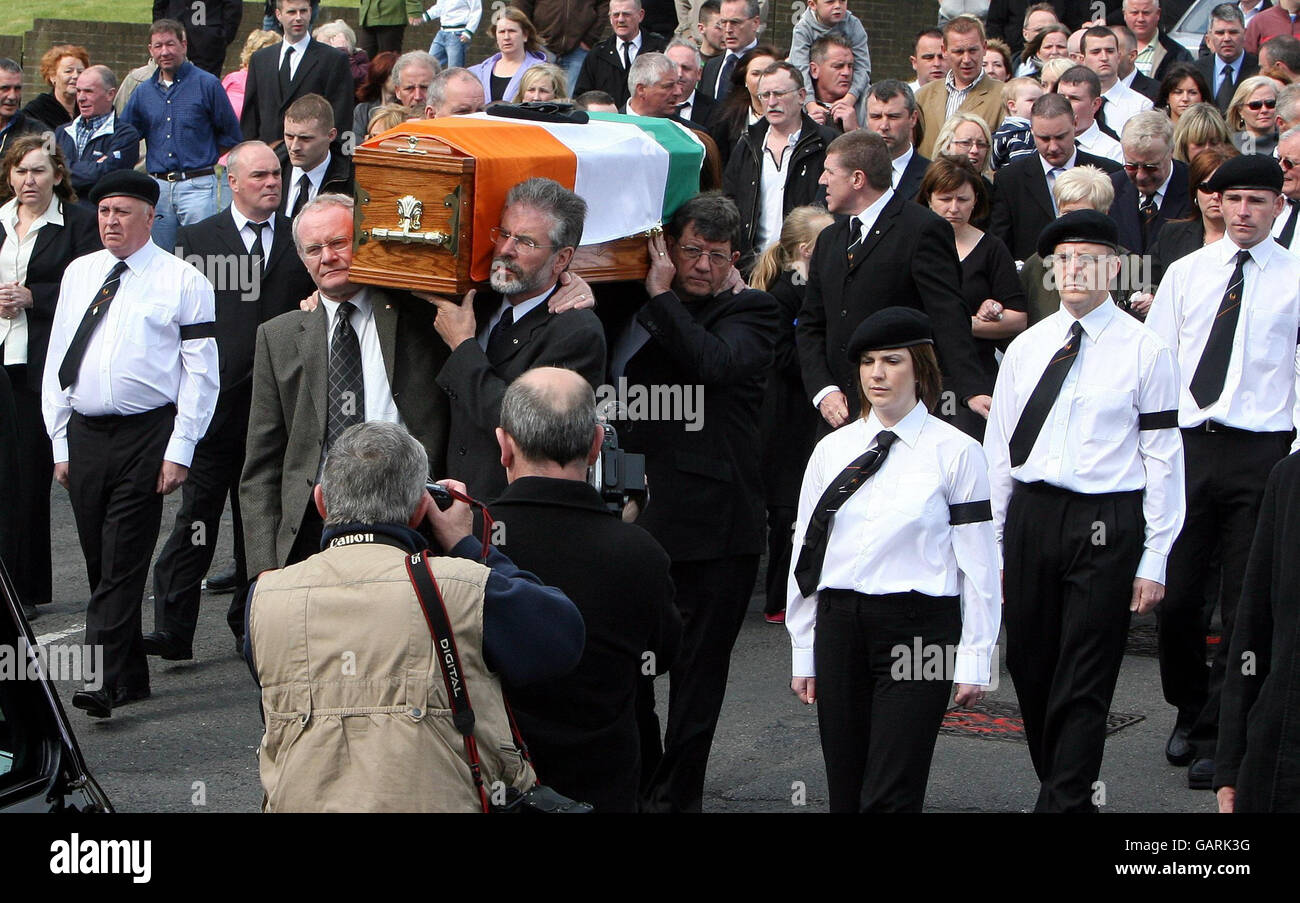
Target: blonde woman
{"x": 1053, "y": 69}
{"x": 787, "y": 422}
{"x": 385, "y": 117}
{"x": 545, "y": 81}
{"x": 966, "y": 135}
{"x": 1251, "y": 115}
{"x": 1201, "y": 127}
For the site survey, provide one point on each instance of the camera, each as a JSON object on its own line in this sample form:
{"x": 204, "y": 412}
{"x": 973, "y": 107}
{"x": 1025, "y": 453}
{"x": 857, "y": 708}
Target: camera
{"x": 441, "y": 496}
{"x": 617, "y": 475}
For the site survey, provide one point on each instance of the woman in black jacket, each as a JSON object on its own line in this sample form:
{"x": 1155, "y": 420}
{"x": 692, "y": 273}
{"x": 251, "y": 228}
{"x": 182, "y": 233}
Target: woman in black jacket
{"x": 42, "y": 230}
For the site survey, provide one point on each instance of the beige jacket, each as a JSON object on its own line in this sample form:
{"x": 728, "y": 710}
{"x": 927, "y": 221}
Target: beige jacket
{"x": 356, "y": 708}
{"x": 984, "y": 100}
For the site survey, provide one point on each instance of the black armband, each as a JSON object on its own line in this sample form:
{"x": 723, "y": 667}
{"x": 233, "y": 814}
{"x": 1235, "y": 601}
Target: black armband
{"x": 206, "y": 330}
{"x": 1158, "y": 420}
{"x": 970, "y": 512}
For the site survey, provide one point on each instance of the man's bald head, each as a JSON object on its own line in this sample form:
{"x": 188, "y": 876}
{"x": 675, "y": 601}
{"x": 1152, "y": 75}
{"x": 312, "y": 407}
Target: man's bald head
{"x": 548, "y": 422}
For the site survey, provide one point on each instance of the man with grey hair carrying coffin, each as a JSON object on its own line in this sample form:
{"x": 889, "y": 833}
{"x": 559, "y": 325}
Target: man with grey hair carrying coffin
{"x": 343, "y": 646}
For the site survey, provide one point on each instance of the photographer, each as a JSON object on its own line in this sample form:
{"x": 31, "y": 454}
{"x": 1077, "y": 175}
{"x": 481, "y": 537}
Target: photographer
{"x": 581, "y": 728}
{"x": 341, "y": 648}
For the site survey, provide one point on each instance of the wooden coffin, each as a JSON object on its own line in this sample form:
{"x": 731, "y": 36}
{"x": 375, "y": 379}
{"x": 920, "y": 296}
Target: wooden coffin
{"x": 416, "y": 227}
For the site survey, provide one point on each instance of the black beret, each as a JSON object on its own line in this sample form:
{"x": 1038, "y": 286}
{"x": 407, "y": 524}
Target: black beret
{"x": 1080, "y": 225}
{"x": 126, "y": 183}
{"x": 1247, "y": 171}
{"x": 892, "y": 327}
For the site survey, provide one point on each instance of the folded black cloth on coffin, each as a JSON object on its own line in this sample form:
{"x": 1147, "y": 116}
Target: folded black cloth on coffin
{"x": 540, "y": 111}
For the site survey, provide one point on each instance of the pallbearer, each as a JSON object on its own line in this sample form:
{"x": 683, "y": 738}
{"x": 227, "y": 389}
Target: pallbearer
{"x": 894, "y": 559}
{"x": 1086, "y": 468}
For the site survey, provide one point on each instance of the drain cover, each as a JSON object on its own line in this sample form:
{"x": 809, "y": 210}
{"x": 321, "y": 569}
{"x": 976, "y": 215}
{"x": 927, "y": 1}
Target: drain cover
{"x": 1002, "y": 721}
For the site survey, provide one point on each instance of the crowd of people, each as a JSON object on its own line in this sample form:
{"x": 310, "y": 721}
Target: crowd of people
{"x": 1012, "y": 345}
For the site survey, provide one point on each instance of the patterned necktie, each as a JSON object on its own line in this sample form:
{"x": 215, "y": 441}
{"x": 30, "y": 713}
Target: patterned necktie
{"x": 496, "y": 343}
{"x": 347, "y": 387}
{"x": 89, "y": 323}
{"x": 304, "y": 189}
{"x": 808, "y": 569}
{"x": 855, "y": 232}
{"x": 1148, "y": 211}
{"x": 1212, "y": 369}
{"x": 1043, "y": 397}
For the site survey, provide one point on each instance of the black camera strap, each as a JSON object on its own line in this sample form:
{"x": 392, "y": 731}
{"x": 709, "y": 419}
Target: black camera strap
{"x": 453, "y": 675}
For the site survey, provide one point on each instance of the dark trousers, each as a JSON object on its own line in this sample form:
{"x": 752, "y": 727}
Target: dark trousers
{"x": 1226, "y": 473}
{"x": 187, "y": 554}
{"x": 29, "y": 568}
{"x": 878, "y": 712}
{"x": 780, "y": 536}
{"x": 375, "y": 39}
{"x": 1070, "y": 561}
{"x": 113, "y": 465}
{"x": 712, "y": 597}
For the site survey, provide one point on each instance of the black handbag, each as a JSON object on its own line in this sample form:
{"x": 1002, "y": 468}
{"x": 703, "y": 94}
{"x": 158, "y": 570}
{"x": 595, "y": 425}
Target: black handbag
{"x": 539, "y": 799}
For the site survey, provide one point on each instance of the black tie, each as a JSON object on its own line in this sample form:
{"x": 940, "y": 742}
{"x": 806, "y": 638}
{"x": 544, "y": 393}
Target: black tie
{"x": 285, "y": 70}
{"x": 1148, "y": 211}
{"x": 627, "y": 55}
{"x": 258, "y": 250}
{"x": 1043, "y": 397}
{"x": 808, "y": 569}
{"x": 1288, "y": 231}
{"x": 497, "y": 337}
{"x": 855, "y": 232}
{"x": 347, "y": 387}
{"x": 1226, "y": 90}
{"x": 89, "y": 321}
{"x": 1212, "y": 369}
{"x": 304, "y": 188}
{"x": 724, "y": 75}
{"x": 1101, "y": 120}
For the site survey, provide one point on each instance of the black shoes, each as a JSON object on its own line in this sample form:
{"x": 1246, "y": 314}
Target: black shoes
{"x": 223, "y": 581}
{"x": 1177, "y": 750}
{"x": 167, "y": 646}
{"x": 30, "y": 612}
{"x": 127, "y": 695}
{"x": 95, "y": 703}
{"x": 1200, "y": 775}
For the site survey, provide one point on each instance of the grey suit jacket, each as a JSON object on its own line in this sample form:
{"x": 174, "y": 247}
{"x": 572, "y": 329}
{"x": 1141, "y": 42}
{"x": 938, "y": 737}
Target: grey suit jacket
{"x": 286, "y": 425}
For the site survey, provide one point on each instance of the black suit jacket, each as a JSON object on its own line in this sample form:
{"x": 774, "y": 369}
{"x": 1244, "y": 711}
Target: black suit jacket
{"x": 212, "y": 243}
{"x": 909, "y": 183}
{"x": 338, "y": 176}
{"x": 1022, "y": 202}
{"x": 209, "y": 28}
{"x": 908, "y": 260}
{"x": 1209, "y": 66}
{"x": 1147, "y": 87}
{"x": 1175, "y": 241}
{"x": 1124, "y": 209}
{"x": 476, "y": 383}
{"x": 581, "y": 729}
{"x": 324, "y": 70}
{"x": 55, "y": 248}
{"x": 1175, "y": 53}
{"x": 702, "y": 108}
{"x": 703, "y": 465}
{"x": 603, "y": 70}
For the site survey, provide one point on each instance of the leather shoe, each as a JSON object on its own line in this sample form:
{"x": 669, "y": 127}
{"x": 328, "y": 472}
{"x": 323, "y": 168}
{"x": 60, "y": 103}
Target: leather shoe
{"x": 95, "y": 703}
{"x": 30, "y": 612}
{"x": 223, "y": 581}
{"x": 1177, "y": 750}
{"x": 167, "y": 646}
{"x": 127, "y": 695}
{"x": 1200, "y": 774}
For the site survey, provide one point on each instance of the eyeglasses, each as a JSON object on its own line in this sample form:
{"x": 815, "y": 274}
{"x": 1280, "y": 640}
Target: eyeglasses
{"x": 967, "y": 143}
{"x": 336, "y": 246}
{"x": 1145, "y": 167}
{"x": 716, "y": 258}
{"x": 501, "y": 237}
{"x": 1261, "y": 105}
{"x": 1287, "y": 163}
{"x": 769, "y": 96}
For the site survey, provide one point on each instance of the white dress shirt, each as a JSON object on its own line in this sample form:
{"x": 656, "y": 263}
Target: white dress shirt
{"x": 633, "y": 47}
{"x": 868, "y": 219}
{"x": 522, "y": 309}
{"x": 1096, "y": 142}
{"x": 379, "y": 394}
{"x": 1278, "y": 225}
{"x": 246, "y": 234}
{"x": 296, "y": 60}
{"x": 15, "y": 255}
{"x": 1050, "y": 172}
{"x": 893, "y": 535}
{"x": 899, "y": 164}
{"x": 135, "y": 361}
{"x": 771, "y": 191}
{"x": 1259, "y": 389}
{"x": 1090, "y": 442}
{"x": 1122, "y": 104}
{"x": 315, "y": 176}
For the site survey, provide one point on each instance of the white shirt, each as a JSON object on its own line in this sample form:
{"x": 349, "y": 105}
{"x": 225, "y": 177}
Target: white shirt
{"x": 893, "y": 535}
{"x": 771, "y": 191}
{"x": 315, "y": 176}
{"x": 1050, "y": 173}
{"x": 899, "y": 163}
{"x": 1278, "y": 225}
{"x": 15, "y": 255}
{"x": 868, "y": 219}
{"x": 687, "y": 106}
{"x": 634, "y": 47}
{"x": 379, "y": 394}
{"x": 737, "y": 54}
{"x": 456, "y": 13}
{"x": 1121, "y": 105}
{"x": 298, "y": 50}
{"x": 1090, "y": 442}
{"x": 268, "y": 231}
{"x": 1099, "y": 144}
{"x": 135, "y": 361}
{"x": 522, "y": 309}
{"x": 1259, "y": 389}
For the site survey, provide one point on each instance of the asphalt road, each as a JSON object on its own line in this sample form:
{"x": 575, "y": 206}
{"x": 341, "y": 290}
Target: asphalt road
{"x": 193, "y": 746}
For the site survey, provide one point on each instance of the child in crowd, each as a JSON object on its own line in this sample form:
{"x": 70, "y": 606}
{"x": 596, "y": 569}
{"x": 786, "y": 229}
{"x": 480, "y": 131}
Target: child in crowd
{"x": 1013, "y": 137}
{"x": 823, "y": 16}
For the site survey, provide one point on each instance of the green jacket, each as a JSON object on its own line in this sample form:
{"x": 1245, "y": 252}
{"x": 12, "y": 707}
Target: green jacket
{"x": 389, "y": 12}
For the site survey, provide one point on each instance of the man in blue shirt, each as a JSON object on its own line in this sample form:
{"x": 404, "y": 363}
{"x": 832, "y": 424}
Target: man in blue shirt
{"x": 187, "y": 123}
